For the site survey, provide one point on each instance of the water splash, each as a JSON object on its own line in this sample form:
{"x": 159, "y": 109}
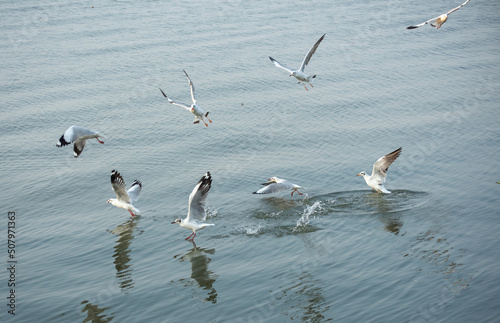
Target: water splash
{"x": 253, "y": 231}
{"x": 304, "y": 219}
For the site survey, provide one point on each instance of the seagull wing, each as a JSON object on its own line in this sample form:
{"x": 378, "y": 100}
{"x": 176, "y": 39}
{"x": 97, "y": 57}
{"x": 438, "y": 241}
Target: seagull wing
{"x": 460, "y": 6}
{"x": 182, "y": 105}
{"x": 310, "y": 54}
{"x": 382, "y": 165}
{"x": 118, "y": 185}
{"x": 279, "y": 65}
{"x": 72, "y": 134}
{"x": 198, "y": 199}
{"x": 274, "y": 188}
{"x": 191, "y": 87}
{"x": 424, "y": 23}
{"x": 134, "y": 190}
{"x": 78, "y": 147}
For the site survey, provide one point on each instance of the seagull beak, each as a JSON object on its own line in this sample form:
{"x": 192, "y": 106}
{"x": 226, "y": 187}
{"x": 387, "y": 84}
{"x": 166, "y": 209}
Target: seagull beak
{"x": 358, "y": 174}
{"x": 172, "y": 222}
{"x": 290, "y": 75}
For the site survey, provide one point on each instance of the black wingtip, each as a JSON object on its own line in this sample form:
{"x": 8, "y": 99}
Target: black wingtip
{"x": 411, "y": 27}
{"x": 163, "y": 94}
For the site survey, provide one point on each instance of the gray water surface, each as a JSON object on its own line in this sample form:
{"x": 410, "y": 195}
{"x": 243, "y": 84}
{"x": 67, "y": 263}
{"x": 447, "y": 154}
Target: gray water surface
{"x": 428, "y": 252}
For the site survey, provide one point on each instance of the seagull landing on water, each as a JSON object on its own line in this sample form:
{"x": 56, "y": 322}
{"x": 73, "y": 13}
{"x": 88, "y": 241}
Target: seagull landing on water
{"x": 299, "y": 74}
{"x": 198, "y": 112}
{"x": 79, "y": 136}
{"x": 379, "y": 173}
{"x": 438, "y": 21}
{"x": 196, "y": 209}
{"x": 124, "y": 198}
{"x": 276, "y": 184}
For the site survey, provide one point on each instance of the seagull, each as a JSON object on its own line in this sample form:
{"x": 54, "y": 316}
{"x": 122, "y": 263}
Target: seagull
{"x": 438, "y": 21}
{"x": 124, "y": 198}
{"x": 79, "y": 136}
{"x": 196, "y": 209}
{"x": 379, "y": 173}
{"x": 299, "y": 74}
{"x": 276, "y": 184}
{"x": 195, "y": 109}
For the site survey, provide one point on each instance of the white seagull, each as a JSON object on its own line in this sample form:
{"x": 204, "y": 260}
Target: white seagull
{"x": 276, "y": 184}
{"x": 124, "y": 198}
{"x": 79, "y": 136}
{"x": 299, "y": 74}
{"x": 196, "y": 209}
{"x": 379, "y": 173}
{"x": 195, "y": 109}
{"x": 438, "y": 21}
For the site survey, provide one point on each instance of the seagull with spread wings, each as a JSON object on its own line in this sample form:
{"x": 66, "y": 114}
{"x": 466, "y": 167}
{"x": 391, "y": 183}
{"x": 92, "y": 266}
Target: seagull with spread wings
{"x": 196, "y": 209}
{"x": 124, "y": 198}
{"x": 438, "y": 21}
{"x": 379, "y": 173}
{"x": 299, "y": 74}
{"x": 276, "y": 184}
{"x": 79, "y": 136}
{"x": 194, "y": 108}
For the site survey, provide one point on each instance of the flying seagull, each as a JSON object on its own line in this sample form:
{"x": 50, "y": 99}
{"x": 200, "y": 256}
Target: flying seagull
{"x": 196, "y": 209}
{"x": 124, "y": 198}
{"x": 79, "y": 136}
{"x": 379, "y": 173}
{"x": 438, "y": 21}
{"x": 276, "y": 184}
{"x": 299, "y": 74}
{"x": 195, "y": 109}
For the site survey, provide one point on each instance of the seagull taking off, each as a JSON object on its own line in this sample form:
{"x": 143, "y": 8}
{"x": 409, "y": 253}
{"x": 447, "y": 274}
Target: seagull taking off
{"x": 379, "y": 173}
{"x": 438, "y": 21}
{"x": 196, "y": 209}
{"x": 124, "y": 198}
{"x": 299, "y": 74}
{"x": 79, "y": 136}
{"x": 276, "y": 184}
{"x": 198, "y": 112}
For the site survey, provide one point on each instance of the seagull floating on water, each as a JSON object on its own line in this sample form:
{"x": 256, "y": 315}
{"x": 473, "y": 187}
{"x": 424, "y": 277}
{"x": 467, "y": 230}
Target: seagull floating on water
{"x": 438, "y": 21}
{"x": 79, "y": 136}
{"x": 379, "y": 173}
{"x": 299, "y": 74}
{"x": 124, "y": 198}
{"x": 276, "y": 184}
{"x": 195, "y": 109}
{"x": 196, "y": 209}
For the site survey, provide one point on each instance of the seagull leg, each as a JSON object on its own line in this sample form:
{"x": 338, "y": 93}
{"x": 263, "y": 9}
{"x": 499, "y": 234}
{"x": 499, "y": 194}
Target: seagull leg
{"x": 101, "y": 142}
{"x": 305, "y": 86}
{"x": 131, "y": 213}
{"x": 206, "y": 125}
{"x": 310, "y": 84}
{"x": 189, "y": 236}
{"x": 192, "y": 239}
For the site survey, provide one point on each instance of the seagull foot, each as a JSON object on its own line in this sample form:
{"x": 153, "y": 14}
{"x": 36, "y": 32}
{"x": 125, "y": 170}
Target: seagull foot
{"x": 101, "y": 142}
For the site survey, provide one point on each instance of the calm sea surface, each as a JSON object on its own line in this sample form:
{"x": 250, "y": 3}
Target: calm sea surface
{"x": 428, "y": 252}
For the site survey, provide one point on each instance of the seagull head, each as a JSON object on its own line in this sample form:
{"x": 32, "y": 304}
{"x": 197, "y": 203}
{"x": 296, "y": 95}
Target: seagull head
{"x": 177, "y": 221}
{"x": 293, "y": 73}
{"x": 271, "y": 181}
{"x": 363, "y": 173}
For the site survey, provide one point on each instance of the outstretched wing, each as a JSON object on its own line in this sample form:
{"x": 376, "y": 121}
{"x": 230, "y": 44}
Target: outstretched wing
{"x": 279, "y": 65}
{"x": 198, "y": 199}
{"x": 78, "y": 147}
{"x": 182, "y": 105}
{"x": 274, "y": 188}
{"x": 191, "y": 87}
{"x": 72, "y": 134}
{"x": 424, "y": 23}
{"x": 382, "y": 164}
{"x": 460, "y": 6}
{"x": 118, "y": 185}
{"x": 310, "y": 54}
{"x": 135, "y": 190}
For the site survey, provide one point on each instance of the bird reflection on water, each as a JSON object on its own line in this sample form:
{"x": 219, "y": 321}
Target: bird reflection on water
{"x": 122, "y": 259}
{"x": 199, "y": 270}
